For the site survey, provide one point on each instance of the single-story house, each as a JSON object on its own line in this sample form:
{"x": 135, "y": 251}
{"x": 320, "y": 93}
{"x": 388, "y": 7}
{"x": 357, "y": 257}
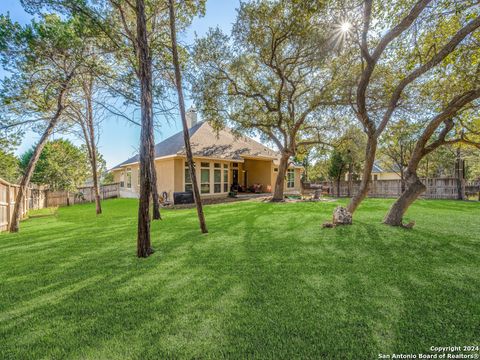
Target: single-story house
{"x": 222, "y": 160}
{"x": 379, "y": 173}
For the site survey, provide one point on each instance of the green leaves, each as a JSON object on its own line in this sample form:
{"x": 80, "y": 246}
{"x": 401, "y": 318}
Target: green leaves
{"x": 272, "y": 75}
{"x": 62, "y": 165}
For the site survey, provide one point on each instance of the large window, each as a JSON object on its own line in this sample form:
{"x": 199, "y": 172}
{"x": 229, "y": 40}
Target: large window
{"x": 225, "y": 177}
{"x": 188, "y": 179}
{"x": 205, "y": 178}
{"x": 217, "y": 178}
{"x": 290, "y": 178}
{"x": 129, "y": 178}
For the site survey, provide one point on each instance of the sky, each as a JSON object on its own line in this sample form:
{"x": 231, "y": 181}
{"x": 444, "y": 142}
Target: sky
{"x": 119, "y": 139}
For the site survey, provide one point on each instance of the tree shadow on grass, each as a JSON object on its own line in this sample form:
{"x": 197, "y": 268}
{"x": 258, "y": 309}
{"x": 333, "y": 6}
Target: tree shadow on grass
{"x": 266, "y": 282}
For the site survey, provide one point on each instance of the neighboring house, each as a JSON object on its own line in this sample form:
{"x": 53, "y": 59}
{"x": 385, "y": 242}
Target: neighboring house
{"x": 378, "y": 173}
{"x": 222, "y": 161}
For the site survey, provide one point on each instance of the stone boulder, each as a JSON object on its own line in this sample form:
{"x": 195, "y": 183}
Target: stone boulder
{"x": 341, "y": 216}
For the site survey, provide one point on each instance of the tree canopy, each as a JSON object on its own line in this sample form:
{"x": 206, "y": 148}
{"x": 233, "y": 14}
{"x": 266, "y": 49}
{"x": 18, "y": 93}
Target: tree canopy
{"x": 62, "y": 165}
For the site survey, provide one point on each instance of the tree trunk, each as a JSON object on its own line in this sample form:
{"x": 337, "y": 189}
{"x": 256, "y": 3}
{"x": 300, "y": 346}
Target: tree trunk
{"x": 367, "y": 173}
{"x": 155, "y": 198}
{"x": 459, "y": 175}
{"x": 402, "y": 170}
{"x": 96, "y": 187}
{"x": 186, "y": 135}
{"x": 338, "y": 187}
{"x": 144, "y": 248}
{"x": 22, "y": 191}
{"x": 17, "y": 209}
{"x": 91, "y": 143}
{"x": 414, "y": 189}
{"x": 350, "y": 178}
{"x": 402, "y": 179}
{"x": 280, "y": 181}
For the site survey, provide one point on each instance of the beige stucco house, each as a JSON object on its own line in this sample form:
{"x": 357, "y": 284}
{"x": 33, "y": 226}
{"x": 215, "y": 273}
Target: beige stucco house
{"x": 379, "y": 173}
{"x": 222, "y": 161}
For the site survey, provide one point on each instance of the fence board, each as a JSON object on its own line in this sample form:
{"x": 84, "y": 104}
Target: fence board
{"x": 437, "y": 188}
{"x": 39, "y": 197}
{"x": 8, "y": 193}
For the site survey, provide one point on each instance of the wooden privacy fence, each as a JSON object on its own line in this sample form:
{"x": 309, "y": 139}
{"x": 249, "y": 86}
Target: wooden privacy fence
{"x": 8, "y": 193}
{"x": 437, "y": 188}
{"x": 39, "y": 197}
{"x": 82, "y": 195}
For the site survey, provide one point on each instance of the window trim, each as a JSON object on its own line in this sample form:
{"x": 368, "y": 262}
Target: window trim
{"x": 122, "y": 179}
{"x": 128, "y": 175}
{"x": 225, "y": 181}
{"x": 217, "y": 170}
{"x": 205, "y": 166}
{"x": 290, "y": 178}
{"x": 186, "y": 170}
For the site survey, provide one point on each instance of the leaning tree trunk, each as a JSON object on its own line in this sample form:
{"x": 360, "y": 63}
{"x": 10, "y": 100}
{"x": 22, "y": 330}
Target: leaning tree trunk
{"x": 367, "y": 173}
{"x": 186, "y": 135}
{"x": 144, "y": 248}
{"x": 17, "y": 209}
{"x": 280, "y": 181}
{"x": 413, "y": 190}
{"x": 402, "y": 179}
{"x": 22, "y": 191}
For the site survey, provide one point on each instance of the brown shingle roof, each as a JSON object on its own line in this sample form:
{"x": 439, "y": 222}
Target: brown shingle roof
{"x": 207, "y": 143}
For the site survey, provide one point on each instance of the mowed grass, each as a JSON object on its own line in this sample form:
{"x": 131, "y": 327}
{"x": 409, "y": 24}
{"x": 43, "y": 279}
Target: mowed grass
{"x": 267, "y": 282}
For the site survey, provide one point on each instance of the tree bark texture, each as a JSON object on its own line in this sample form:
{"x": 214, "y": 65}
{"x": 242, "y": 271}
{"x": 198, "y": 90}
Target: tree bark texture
{"x": 89, "y": 134}
{"x": 155, "y": 197}
{"x": 414, "y": 188}
{"x": 144, "y": 248}
{"x": 22, "y": 191}
{"x": 460, "y": 175}
{"x": 278, "y": 194}
{"x": 362, "y": 192}
{"x": 181, "y": 104}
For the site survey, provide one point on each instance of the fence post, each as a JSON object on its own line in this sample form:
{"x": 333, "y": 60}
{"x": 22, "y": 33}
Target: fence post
{"x": 9, "y": 209}
{"x": 26, "y": 201}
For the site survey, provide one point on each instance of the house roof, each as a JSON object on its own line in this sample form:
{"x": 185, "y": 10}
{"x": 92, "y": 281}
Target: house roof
{"x": 378, "y": 169}
{"x": 206, "y": 142}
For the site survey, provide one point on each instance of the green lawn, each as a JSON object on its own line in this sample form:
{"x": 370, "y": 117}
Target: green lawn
{"x": 267, "y": 282}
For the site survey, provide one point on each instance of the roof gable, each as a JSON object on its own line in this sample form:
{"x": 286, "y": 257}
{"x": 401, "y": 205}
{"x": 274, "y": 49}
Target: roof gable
{"x": 206, "y": 142}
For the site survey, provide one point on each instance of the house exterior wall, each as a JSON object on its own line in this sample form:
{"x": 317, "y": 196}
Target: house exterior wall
{"x": 165, "y": 169}
{"x": 179, "y": 175}
{"x": 380, "y": 176}
{"x": 388, "y": 176}
{"x": 297, "y": 188}
{"x": 120, "y": 176}
{"x": 298, "y": 180}
{"x": 171, "y": 176}
{"x": 258, "y": 172}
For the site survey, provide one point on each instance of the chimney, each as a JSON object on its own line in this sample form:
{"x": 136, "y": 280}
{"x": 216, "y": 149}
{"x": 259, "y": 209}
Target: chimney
{"x": 191, "y": 117}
